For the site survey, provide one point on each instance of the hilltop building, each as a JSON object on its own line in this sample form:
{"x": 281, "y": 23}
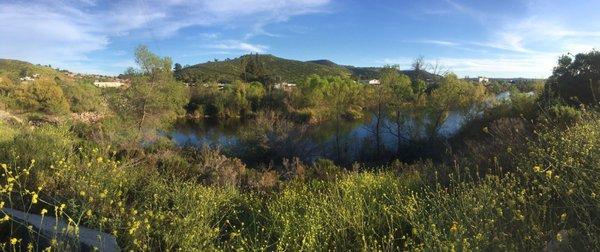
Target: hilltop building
{"x": 284, "y": 86}
{"x": 106, "y": 84}
{"x": 483, "y": 80}
{"x": 374, "y": 82}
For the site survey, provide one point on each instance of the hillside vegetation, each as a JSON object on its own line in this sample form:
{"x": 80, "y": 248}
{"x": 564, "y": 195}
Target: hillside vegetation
{"x": 287, "y": 70}
{"x": 43, "y": 92}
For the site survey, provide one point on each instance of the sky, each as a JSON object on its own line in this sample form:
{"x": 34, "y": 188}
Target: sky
{"x": 509, "y": 38}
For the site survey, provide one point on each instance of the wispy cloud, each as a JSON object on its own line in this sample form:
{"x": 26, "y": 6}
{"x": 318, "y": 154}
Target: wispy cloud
{"x": 437, "y": 42}
{"x": 66, "y": 32}
{"x": 240, "y": 46}
{"x": 538, "y": 66}
{"x": 527, "y": 44}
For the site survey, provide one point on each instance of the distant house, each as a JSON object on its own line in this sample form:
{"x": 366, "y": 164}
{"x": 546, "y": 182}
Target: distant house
{"x": 483, "y": 80}
{"x": 284, "y": 86}
{"x": 374, "y": 82}
{"x": 106, "y": 84}
{"x": 26, "y": 78}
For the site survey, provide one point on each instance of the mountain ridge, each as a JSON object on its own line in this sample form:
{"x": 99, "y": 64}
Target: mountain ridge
{"x": 287, "y": 70}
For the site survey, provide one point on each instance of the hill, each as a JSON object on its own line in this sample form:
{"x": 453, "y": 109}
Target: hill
{"x": 16, "y": 69}
{"x": 367, "y": 73}
{"x": 294, "y": 71}
{"x": 287, "y": 70}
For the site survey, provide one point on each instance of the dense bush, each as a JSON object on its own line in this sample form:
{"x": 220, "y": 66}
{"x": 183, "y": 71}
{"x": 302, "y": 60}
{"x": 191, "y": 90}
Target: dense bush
{"x": 236, "y": 100}
{"x": 43, "y": 95}
{"x": 84, "y": 97}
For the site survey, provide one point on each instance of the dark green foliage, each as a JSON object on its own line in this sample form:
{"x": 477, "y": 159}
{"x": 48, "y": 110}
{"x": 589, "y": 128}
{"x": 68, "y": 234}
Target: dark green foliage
{"x": 576, "y": 80}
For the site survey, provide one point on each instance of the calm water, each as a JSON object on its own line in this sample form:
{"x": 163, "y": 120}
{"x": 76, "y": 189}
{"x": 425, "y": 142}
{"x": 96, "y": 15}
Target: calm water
{"x": 355, "y": 142}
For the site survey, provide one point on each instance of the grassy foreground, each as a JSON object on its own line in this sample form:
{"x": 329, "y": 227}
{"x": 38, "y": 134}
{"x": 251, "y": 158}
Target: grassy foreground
{"x": 545, "y": 197}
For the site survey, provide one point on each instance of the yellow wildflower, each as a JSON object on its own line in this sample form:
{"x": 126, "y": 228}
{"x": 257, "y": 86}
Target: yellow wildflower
{"x": 13, "y": 241}
{"x": 454, "y": 227}
{"x": 537, "y": 168}
{"x": 34, "y": 198}
{"x": 44, "y": 211}
{"x": 559, "y": 237}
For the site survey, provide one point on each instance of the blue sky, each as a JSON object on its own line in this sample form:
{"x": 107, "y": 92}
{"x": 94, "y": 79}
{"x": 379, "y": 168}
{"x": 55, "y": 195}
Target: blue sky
{"x": 510, "y": 38}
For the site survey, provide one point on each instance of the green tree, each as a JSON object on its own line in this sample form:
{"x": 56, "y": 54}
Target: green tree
{"x": 341, "y": 97}
{"x": 380, "y": 97}
{"x": 155, "y": 68}
{"x": 576, "y": 80}
{"x": 177, "y": 71}
{"x": 453, "y": 95}
{"x": 254, "y": 68}
{"x": 402, "y": 98}
{"x": 154, "y": 97}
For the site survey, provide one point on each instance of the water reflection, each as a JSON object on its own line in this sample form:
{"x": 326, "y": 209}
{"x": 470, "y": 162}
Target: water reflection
{"x": 349, "y": 141}
{"x": 346, "y": 142}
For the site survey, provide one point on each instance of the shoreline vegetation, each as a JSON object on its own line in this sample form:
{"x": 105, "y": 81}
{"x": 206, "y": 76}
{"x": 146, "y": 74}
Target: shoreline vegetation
{"x": 522, "y": 174}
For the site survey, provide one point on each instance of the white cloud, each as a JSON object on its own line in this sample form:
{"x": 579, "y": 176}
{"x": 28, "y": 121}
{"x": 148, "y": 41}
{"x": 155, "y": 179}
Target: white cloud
{"x": 535, "y": 66}
{"x": 438, "y": 42}
{"x": 547, "y": 27}
{"x": 49, "y": 38}
{"x": 526, "y": 45}
{"x": 65, "y": 32}
{"x": 239, "y": 46}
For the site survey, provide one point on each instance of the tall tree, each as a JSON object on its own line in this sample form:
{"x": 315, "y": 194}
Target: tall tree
{"x": 401, "y": 99}
{"x": 340, "y": 96}
{"x": 154, "y": 97}
{"x": 381, "y": 96}
{"x": 418, "y": 67}
{"x": 177, "y": 71}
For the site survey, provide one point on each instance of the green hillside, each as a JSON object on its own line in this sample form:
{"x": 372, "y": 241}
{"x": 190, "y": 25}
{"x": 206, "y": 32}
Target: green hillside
{"x": 287, "y": 70}
{"x": 16, "y": 68}
{"x": 367, "y": 73}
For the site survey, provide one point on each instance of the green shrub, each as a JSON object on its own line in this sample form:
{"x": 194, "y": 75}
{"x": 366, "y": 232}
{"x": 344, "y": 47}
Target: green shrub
{"x": 84, "y": 97}
{"x": 357, "y": 212}
{"x": 8, "y": 133}
{"x": 42, "y": 95}
{"x": 562, "y": 115}
{"x": 45, "y": 144}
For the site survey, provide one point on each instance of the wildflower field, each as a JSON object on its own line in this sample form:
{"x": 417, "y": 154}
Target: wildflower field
{"x": 548, "y": 198}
